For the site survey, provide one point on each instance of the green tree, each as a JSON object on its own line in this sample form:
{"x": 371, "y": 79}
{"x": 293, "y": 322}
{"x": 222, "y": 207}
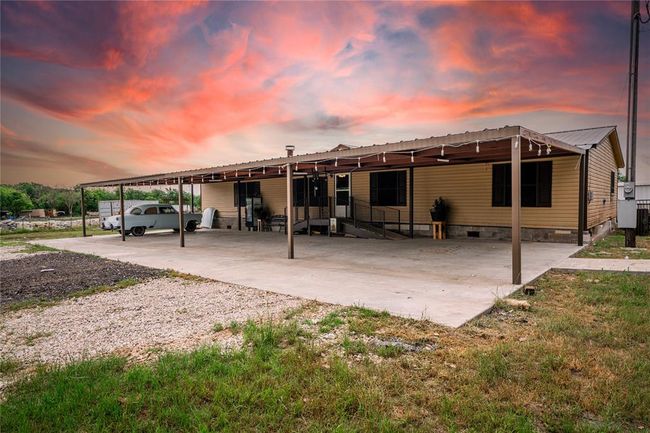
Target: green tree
{"x": 13, "y": 200}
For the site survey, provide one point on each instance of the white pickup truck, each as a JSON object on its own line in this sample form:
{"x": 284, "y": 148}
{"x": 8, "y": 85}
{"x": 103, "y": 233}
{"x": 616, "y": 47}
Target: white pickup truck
{"x": 138, "y": 219}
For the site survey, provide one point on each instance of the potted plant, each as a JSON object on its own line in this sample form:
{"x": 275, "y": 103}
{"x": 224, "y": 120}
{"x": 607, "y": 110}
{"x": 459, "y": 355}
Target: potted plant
{"x": 439, "y": 210}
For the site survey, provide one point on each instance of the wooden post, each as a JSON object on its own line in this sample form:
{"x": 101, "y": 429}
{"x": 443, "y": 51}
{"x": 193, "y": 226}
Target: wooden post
{"x": 122, "y": 212}
{"x": 83, "y": 214}
{"x": 307, "y": 203}
{"x": 181, "y": 215}
{"x": 516, "y": 208}
{"x": 411, "y": 205}
{"x": 290, "y": 254}
{"x": 581, "y": 201}
{"x": 239, "y": 204}
{"x": 192, "y": 197}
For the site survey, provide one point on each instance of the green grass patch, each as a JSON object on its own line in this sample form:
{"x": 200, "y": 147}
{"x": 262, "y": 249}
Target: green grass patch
{"x": 218, "y": 327}
{"x": 8, "y": 366}
{"x": 26, "y": 235}
{"x": 354, "y": 347}
{"x": 330, "y": 322}
{"x": 613, "y": 247}
{"x": 389, "y": 351}
{"x": 265, "y": 388}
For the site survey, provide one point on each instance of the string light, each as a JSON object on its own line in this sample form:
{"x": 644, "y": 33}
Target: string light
{"x": 548, "y": 149}
{"x": 442, "y": 152}
{"x": 296, "y": 166}
{"x": 477, "y": 148}
{"x": 539, "y": 150}
{"x": 279, "y": 170}
{"x": 336, "y": 162}
{"x": 264, "y": 170}
{"x": 224, "y": 176}
{"x": 236, "y": 173}
{"x": 249, "y": 173}
{"x": 315, "y": 166}
{"x": 412, "y": 158}
{"x": 359, "y": 162}
{"x": 212, "y": 176}
{"x": 530, "y": 146}
{"x": 384, "y": 158}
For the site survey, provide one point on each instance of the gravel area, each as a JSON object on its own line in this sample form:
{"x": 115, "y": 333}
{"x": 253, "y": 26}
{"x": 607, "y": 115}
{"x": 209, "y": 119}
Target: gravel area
{"x": 137, "y": 322}
{"x": 13, "y": 252}
{"x": 55, "y": 275}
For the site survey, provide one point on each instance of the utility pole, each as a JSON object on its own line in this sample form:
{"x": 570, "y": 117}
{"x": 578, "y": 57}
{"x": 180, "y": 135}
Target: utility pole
{"x": 633, "y": 83}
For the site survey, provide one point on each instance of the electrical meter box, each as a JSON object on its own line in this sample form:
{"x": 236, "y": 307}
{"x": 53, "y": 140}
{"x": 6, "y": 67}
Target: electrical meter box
{"x": 626, "y": 214}
{"x": 628, "y": 190}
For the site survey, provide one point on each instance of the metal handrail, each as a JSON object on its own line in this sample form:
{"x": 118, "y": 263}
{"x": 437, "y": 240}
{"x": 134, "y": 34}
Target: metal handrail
{"x": 377, "y": 214}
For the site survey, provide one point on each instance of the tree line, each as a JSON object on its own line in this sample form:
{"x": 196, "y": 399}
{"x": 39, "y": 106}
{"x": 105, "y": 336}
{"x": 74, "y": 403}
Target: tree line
{"x": 20, "y": 197}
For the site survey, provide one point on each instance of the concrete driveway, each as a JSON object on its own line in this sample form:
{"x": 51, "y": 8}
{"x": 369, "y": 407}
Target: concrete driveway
{"x": 448, "y": 282}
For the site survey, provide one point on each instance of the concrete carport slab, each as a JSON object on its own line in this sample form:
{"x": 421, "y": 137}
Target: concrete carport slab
{"x": 445, "y": 281}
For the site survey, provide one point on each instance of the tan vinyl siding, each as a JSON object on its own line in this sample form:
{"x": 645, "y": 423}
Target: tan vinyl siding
{"x": 219, "y": 196}
{"x": 274, "y": 194}
{"x": 602, "y": 206}
{"x": 468, "y": 189}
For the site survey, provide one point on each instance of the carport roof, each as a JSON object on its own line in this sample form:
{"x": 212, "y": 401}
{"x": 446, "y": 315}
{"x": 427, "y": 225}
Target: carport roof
{"x": 419, "y": 152}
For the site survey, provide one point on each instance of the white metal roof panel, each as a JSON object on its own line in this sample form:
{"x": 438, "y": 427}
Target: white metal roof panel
{"x": 584, "y": 138}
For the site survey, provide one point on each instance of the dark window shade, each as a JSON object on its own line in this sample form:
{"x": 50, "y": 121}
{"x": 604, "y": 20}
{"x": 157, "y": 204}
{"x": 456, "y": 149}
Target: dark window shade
{"x": 612, "y": 182}
{"x": 317, "y": 192}
{"x": 536, "y": 184}
{"x": 248, "y": 190}
{"x": 388, "y": 188}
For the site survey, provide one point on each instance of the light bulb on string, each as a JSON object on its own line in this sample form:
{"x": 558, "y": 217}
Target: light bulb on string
{"x": 264, "y": 170}
{"x": 539, "y": 150}
{"x": 548, "y": 150}
{"x": 477, "y": 148}
{"x": 412, "y": 158}
{"x": 383, "y": 158}
{"x": 358, "y": 162}
{"x": 336, "y": 162}
{"x": 530, "y": 146}
{"x": 442, "y": 151}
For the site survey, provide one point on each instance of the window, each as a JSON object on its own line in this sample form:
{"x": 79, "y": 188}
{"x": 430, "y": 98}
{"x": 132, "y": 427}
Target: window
{"x": 248, "y": 190}
{"x": 136, "y": 211}
{"x": 153, "y": 210}
{"x": 612, "y": 183}
{"x": 167, "y": 210}
{"x": 317, "y": 191}
{"x": 536, "y": 184}
{"x": 388, "y": 188}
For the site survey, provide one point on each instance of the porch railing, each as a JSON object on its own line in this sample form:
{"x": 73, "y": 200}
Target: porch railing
{"x": 378, "y": 216}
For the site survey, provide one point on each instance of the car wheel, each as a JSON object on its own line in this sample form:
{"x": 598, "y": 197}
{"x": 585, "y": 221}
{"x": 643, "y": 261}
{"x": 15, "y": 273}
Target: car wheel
{"x": 191, "y": 226}
{"x": 138, "y": 231}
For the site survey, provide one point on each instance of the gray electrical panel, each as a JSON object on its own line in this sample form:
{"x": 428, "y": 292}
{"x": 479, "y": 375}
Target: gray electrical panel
{"x": 626, "y": 214}
{"x": 628, "y": 190}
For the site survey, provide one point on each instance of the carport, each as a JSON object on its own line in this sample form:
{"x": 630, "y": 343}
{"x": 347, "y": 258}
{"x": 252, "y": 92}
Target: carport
{"x": 448, "y": 282}
{"x": 489, "y": 145}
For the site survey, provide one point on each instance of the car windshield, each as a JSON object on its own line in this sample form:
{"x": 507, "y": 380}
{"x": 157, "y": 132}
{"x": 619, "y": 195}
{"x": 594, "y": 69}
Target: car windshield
{"x": 167, "y": 209}
{"x": 136, "y": 211}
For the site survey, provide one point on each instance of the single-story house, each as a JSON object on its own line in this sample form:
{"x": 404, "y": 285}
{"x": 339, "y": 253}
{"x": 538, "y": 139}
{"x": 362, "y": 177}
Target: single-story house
{"x": 567, "y": 186}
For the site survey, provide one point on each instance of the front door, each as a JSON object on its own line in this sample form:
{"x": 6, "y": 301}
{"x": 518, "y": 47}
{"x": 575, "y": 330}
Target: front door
{"x": 342, "y": 195}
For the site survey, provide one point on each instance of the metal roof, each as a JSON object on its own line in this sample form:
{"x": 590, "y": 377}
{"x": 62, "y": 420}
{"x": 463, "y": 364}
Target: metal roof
{"x": 590, "y": 137}
{"x": 585, "y": 138}
{"x": 358, "y": 153}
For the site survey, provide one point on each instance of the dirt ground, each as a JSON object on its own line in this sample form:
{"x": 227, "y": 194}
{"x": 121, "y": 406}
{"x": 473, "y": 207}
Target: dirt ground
{"x": 57, "y": 274}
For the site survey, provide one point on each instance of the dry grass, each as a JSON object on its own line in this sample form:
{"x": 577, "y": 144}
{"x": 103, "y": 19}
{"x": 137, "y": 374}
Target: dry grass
{"x": 577, "y": 361}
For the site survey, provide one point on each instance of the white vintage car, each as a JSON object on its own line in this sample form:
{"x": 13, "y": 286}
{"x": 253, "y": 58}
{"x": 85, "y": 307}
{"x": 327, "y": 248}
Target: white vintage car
{"x": 138, "y": 219}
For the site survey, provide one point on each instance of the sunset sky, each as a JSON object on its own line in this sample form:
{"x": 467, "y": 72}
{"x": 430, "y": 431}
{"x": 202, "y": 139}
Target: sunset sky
{"x": 93, "y": 90}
